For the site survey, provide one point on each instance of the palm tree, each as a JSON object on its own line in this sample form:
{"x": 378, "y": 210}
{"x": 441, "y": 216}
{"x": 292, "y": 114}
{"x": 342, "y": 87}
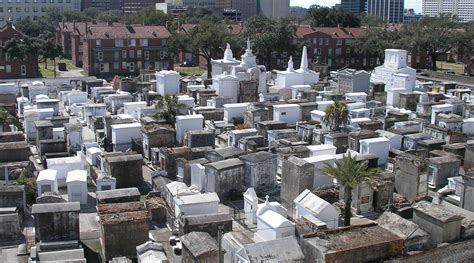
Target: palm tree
{"x": 6, "y": 119}
{"x": 168, "y": 108}
{"x": 336, "y": 115}
{"x": 349, "y": 173}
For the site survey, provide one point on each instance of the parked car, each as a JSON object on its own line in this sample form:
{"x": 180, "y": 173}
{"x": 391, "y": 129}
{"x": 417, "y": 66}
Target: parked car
{"x": 187, "y": 64}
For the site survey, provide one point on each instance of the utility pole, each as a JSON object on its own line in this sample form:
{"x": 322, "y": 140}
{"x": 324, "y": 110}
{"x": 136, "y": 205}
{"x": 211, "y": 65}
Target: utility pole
{"x": 219, "y": 241}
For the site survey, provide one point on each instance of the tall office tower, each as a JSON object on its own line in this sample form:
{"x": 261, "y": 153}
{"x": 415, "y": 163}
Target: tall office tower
{"x": 355, "y": 7}
{"x": 462, "y": 9}
{"x": 389, "y": 10}
{"x": 273, "y": 8}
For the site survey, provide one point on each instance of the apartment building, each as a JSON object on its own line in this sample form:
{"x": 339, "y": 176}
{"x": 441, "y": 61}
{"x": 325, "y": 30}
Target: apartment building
{"x": 462, "y": 9}
{"x": 108, "y": 49}
{"x": 9, "y": 68}
{"x": 332, "y": 46}
{"x": 16, "y": 10}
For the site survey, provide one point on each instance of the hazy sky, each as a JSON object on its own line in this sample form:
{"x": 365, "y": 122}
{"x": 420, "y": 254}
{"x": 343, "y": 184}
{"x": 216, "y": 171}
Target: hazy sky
{"x": 416, "y": 4}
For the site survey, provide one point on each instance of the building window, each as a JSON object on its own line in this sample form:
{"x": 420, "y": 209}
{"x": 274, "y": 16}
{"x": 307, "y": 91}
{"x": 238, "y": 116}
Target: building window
{"x": 317, "y": 51}
{"x": 326, "y": 41}
{"x": 23, "y": 70}
{"x": 348, "y": 51}
{"x": 162, "y": 55}
{"x": 321, "y": 41}
{"x": 118, "y": 42}
{"x": 9, "y": 9}
{"x": 2, "y": 18}
{"x": 163, "y": 42}
{"x": 100, "y": 56}
{"x": 338, "y": 51}
{"x": 132, "y": 67}
{"x": 35, "y": 9}
{"x": 27, "y": 9}
{"x": 144, "y": 42}
{"x": 315, "y": 41}
{"x": 8, "y": 68}
{"x": 124, "y": 54}
{"x": 132, "y": 42}
{"x": 18, "y": 9}
{"x": 101, "y": 67}
{"x": 371, "y": 61}
{"x": 116, "y": 65}
{"x": 116, "y": 56}
{"x": 338, "y": 42}
{"x": 147, "y": 55}
{"x": 348, "y": 61}
{"x": 132, "y": 53}
{"x": 139, "y": 54}
{"x": 139, "y": 65}
{"x": 124, "y": 65}
{"x": 1, "y": 9}
{"x": 98, "y": 43}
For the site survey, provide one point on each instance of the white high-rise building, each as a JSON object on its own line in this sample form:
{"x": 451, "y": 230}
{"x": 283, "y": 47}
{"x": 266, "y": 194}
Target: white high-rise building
{"x": 274, "y": 8}
{"x": 16, "y": 10}
{"x": 462, "y": 9}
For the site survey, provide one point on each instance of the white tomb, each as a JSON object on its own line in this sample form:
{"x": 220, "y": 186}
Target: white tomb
{"x": 296, "y": 89}
{"x": 395, "y": 64}
{"x": 105, "y": 183}
{"x": 323, "y": 149}
{"x": 272, "y": 223}
{"x": 76, "y": 96}
{"x": 356, "y": 96}
{"x": 196, "y": 204}
{"x": 468, "y": 126}
{"x": 226, "y": 86}
{"x": 360, "y": 113}
{"x": 355, "y": 121}
{"x": 219, "y": 66}
{"x": 30, "y": 116}
{"x": 188, "y": 123}
{"x": 322, "y": 105}
{"x": 395, "y": 139}
{"x": 393, "y": 96}
{"x": 233, "y": 136}
{"x": 250, "y": 206}
{"x": 63, "y": 165}
{"x": 48, "y": 103}
{"x": 317, "y": 115}
{"x": 132, "y": 108}
{"x": 77, "y": 186}
{"x": 58, "y": 134}
{"x": 436, "y": 109}
{"x": 167, "y": 82}
{"x": 47, "y": 181}
{"x": 21, "y": 102}
{"x": 319, "y": 162}
{"x": 234, "y": 110}
{"x": 289, "y": 113}
{"x": 93, "y": 110}
{"x": 9, "y": 88}
{"x": 378, "y": 146}
{"x": 198, "y": 176}
{"x": 308, "y": 203}
{"x": 92, "y": 155}
{"x": 122, "y": 135}
{"x": 186, "y": 100}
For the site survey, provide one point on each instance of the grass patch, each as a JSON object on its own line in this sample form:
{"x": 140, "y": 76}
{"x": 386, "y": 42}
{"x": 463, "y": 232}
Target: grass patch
{"x": 448, "y": 66}
{"x": 188, "y": 71}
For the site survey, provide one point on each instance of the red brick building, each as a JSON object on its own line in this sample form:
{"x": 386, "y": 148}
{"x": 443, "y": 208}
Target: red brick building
{"x": 12, "y": 68}
{"x": 106, "y": 50}
{"x": 332, "y": 46}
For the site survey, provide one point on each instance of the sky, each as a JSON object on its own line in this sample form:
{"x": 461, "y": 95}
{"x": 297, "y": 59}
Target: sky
{"x": 415, "y": 4}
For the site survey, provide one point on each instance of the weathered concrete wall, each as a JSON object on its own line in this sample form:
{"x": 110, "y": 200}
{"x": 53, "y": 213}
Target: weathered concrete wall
{"x": 469, "y": 157}
{"x": 260, "y": 174}
{"x": 122, "y": 239}
{"x": 13, "y": 196}
{"x": 410, "y": 178}
{"x": 10, "y": 230}
{"x": 128, "y": 172}
{"x": 53, "y": 227}
{"x": 211, "y": 227}
{"x": 226, "y": 180}
{"x": 297, "y": 175}
{"x": 52, "y": 146}
{"x": 11, "y": 136}
{"x": 199, "y": 139}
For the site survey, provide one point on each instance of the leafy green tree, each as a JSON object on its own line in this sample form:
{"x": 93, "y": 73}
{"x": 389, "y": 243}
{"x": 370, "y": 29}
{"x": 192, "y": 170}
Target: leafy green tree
{"x": 110, "y": 16}
{"x": 270, "y": 37}
{"x": 30, "y": 187}
{"x": 147, "y": 16}
{"x": 434, "y": 35}
{"x": 168, "y": 108}
{"x": 330, "y": 17}
{"x": 6, "y": 119}
{"x": 337, "y": 115}
{"x": 207, "y": 40}
{"x": 349, "y": 173}
{"x": 33, "y": 50}
{"x": 376, "y": 40}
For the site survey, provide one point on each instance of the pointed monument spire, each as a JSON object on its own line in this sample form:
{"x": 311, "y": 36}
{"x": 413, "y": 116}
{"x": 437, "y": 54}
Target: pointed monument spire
{"x": 248, "y": 44}
{"x": 304, "y": 59}
{"x": 228, "y": 55}
{"x": 290, "y": 65}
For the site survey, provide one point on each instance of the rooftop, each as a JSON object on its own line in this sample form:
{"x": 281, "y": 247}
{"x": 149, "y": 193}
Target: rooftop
{"x": 117, "y": 193}
{"x": 436, "y": 212}
{"x": 280, "y": 250}
{"x": 199, "y": 243}
{"x": 56, "y": 208}
{"x": 258, "y": 156}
